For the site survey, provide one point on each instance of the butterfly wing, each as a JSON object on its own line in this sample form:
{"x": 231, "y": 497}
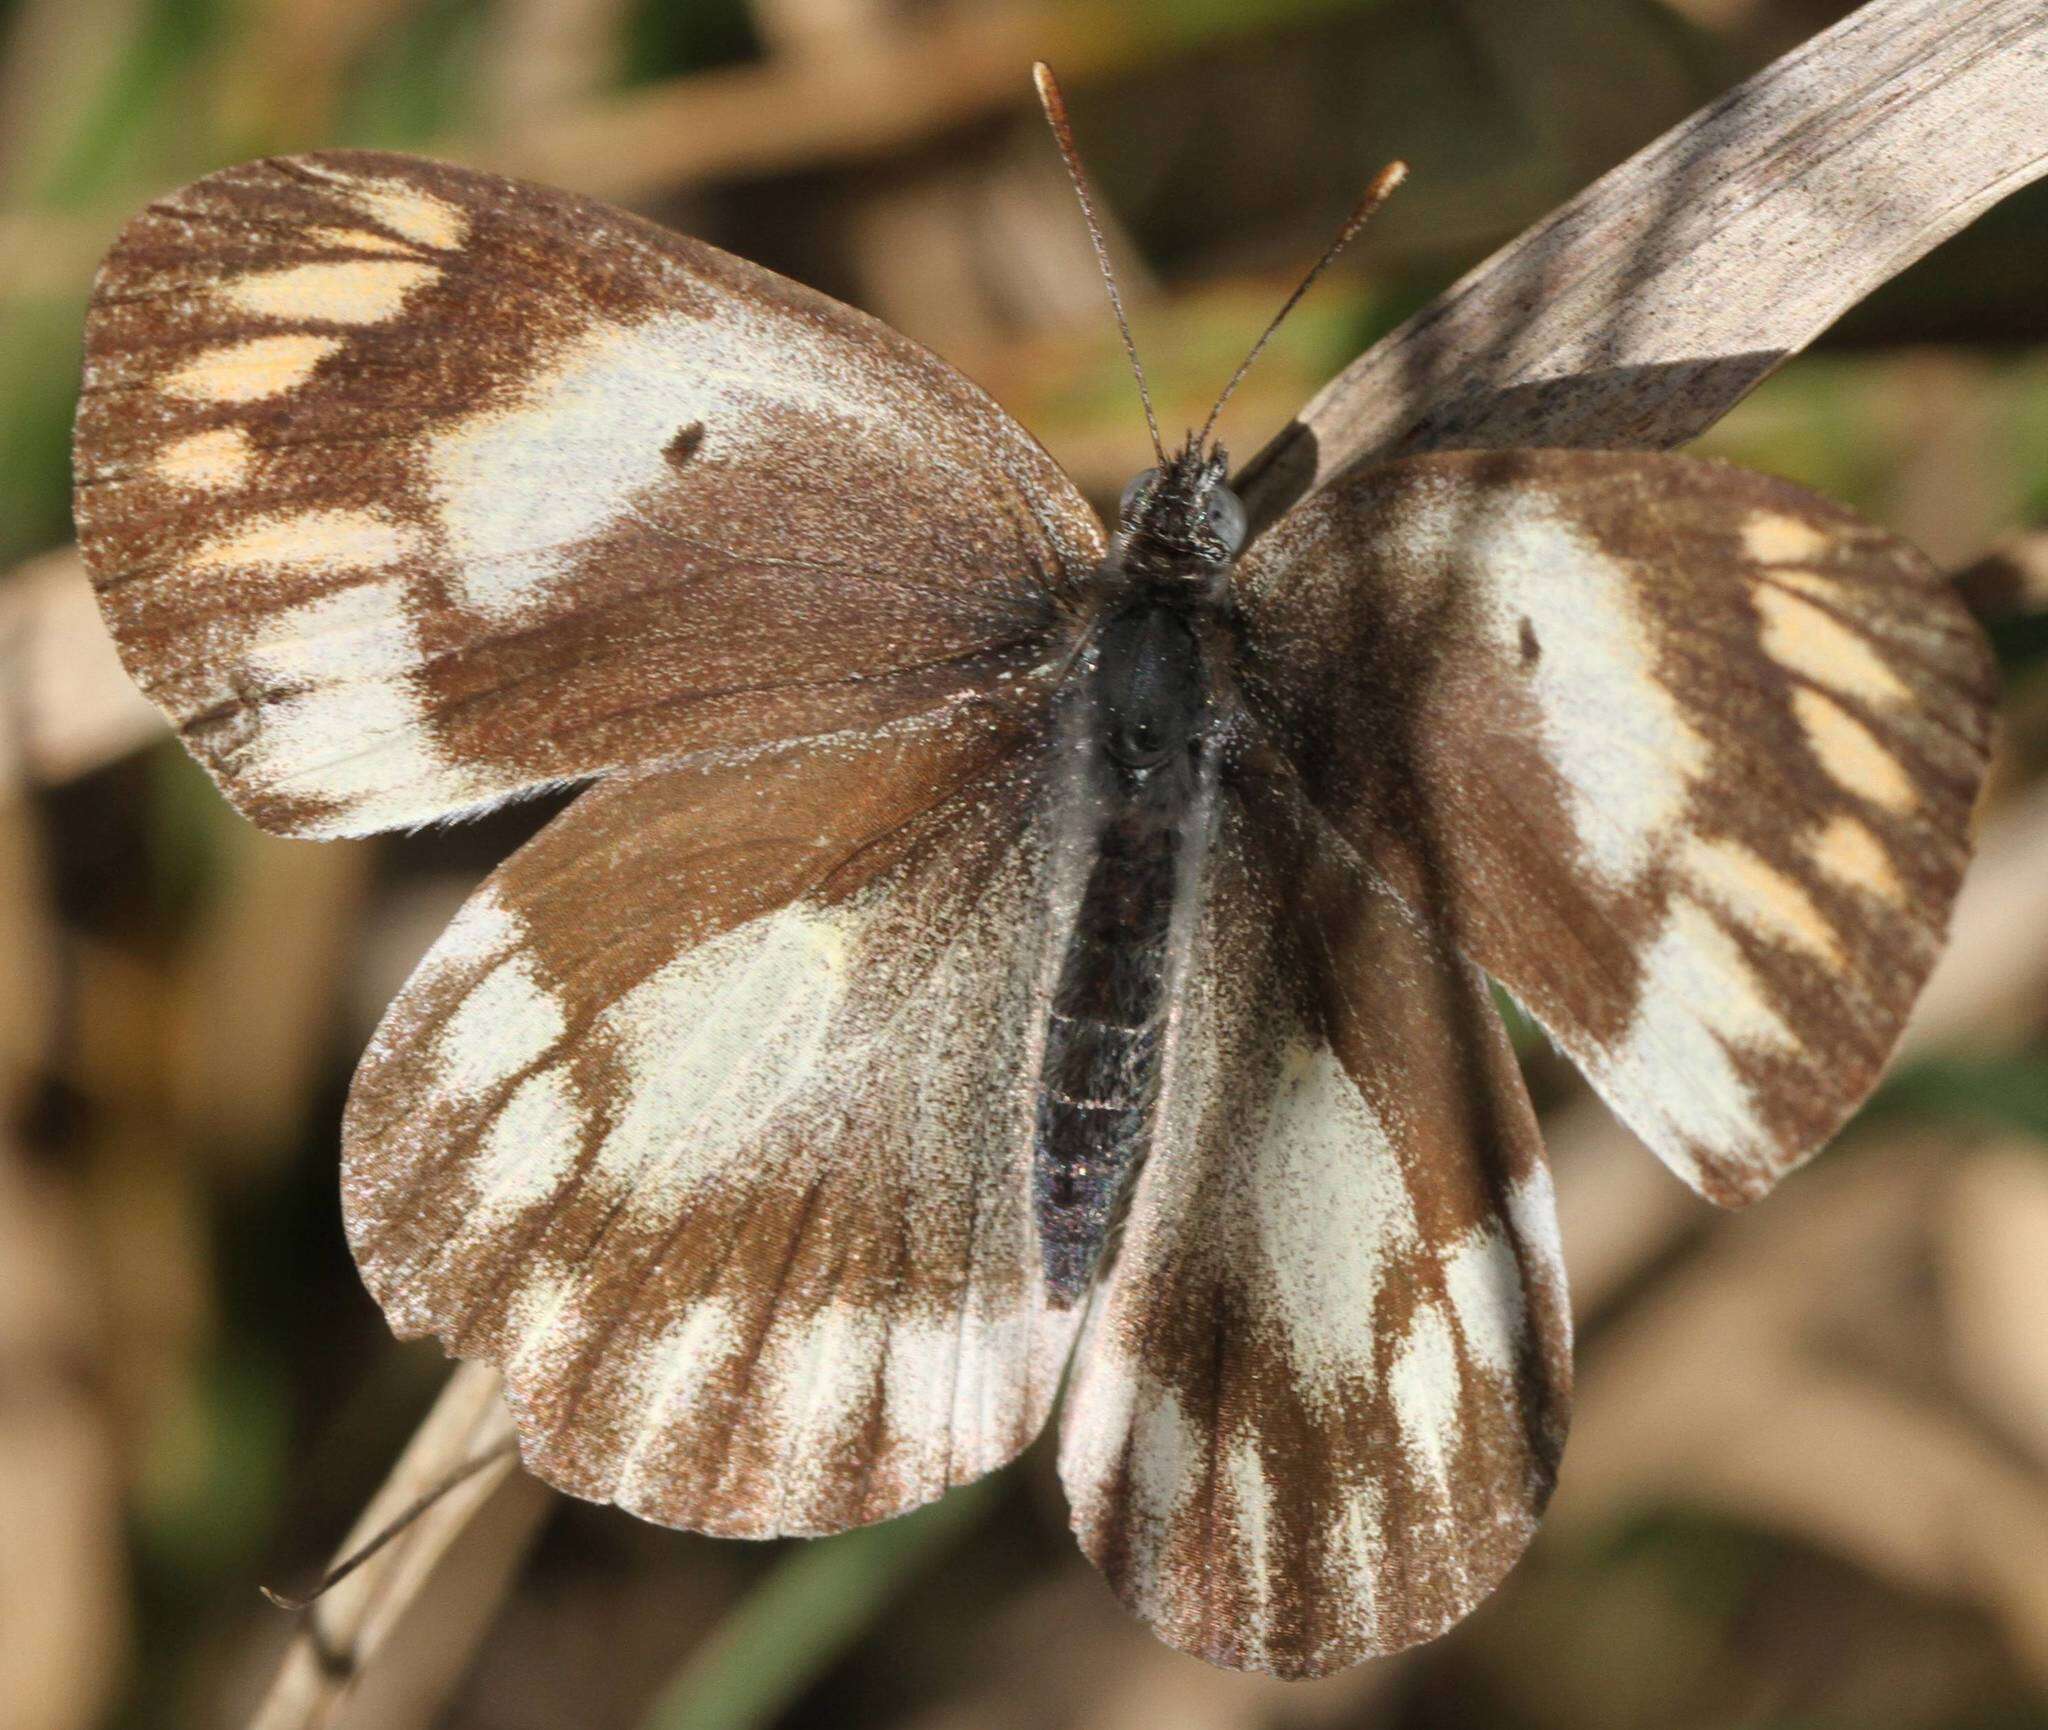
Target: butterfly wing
{"x": 1319, "y": 1402}
{"x": 1683, "y": 755}
{"x": 407, "y": 489}
{"x": 708, "y": 1122}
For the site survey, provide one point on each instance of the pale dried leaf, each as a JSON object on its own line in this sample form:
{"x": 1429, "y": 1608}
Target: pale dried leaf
{"x": 343, "y": 1633}
{"x": 1994, "y": 1252}
{"x": 69, "y": 707}
{"x": 1643, "y": 310}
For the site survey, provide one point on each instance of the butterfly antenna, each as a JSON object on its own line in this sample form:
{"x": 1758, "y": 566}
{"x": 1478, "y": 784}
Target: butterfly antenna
{"x": 1375, "y": 195}
{"x": 1055, "y": 106}
{"x": 342, "y": 1569}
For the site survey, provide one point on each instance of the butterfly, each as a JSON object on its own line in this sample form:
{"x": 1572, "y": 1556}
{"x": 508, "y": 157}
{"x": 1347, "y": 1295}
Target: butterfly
{"x": 994, "y": 956}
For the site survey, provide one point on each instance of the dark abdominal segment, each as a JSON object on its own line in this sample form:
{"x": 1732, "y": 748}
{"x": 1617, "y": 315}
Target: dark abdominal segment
{"x": 1138, "y": 789}
{"x": 1101, "y": 1073}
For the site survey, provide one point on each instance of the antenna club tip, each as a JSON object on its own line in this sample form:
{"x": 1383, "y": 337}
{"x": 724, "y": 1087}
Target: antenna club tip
{"x": 1393, "y": 174}
{"x": 1048, "y": 86}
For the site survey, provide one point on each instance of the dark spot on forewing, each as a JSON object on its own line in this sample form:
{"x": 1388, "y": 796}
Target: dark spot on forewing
{"x": 1532, "y": 650}
{"x": 684, "y": 445}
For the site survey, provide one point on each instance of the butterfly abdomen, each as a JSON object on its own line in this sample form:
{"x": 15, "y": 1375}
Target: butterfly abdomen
{"x": 1137, "y": 787}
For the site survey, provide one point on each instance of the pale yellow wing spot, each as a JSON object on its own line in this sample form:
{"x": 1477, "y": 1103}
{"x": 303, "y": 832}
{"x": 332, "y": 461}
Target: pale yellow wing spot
{"x": 419, "y": 216}
{"x": 1851, "y": 753}
{"x": 211, "y": 461}
{"x": 361, "y": 240}
{"x": 1804, "y": 639}
{"x": 1852, "y": 856}
{"x": 263, "y": 366}
{"x": 1756, "y": 894}
{"x": 307, "y": 540}
{"x": 1772, "y": 538}
{"x": 344, "y": 291}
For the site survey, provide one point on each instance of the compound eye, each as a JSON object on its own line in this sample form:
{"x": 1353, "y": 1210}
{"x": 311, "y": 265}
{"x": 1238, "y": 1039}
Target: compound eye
{"x": 1226, "y": 518}
{"x": 1132, "y": 493}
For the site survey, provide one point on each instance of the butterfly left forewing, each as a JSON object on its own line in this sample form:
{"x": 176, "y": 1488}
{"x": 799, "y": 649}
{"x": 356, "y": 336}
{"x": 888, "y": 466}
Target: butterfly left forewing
{"x": 1320, "y": 1398}
{"x": 1683, "y": 755}
{"x": 407, "y": 489}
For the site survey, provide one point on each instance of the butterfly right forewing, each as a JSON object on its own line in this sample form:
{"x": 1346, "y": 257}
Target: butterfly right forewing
{"x": 1683, "y": 755}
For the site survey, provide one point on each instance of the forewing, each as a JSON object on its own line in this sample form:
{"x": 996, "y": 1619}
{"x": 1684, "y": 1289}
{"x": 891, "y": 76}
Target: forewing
{"x": 1319, "y": 1401}
{"x": 1684, "y": 755}
{"x": 406, "y": 489}
{"x": 708, "y": 1122}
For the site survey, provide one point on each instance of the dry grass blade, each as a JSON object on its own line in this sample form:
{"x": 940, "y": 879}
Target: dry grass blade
{"x": 69, "y": 707}
{"x": 347, "y": 1627}
{"x": 1643, "y": 310}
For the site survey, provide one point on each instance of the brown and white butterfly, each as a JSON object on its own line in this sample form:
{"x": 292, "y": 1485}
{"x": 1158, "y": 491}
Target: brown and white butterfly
{"x": 990, "y": 953}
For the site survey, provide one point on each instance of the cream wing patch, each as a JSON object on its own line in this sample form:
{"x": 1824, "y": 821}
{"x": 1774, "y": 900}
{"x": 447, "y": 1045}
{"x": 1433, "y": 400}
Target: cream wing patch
{"x": 217, "y": 460}
{"x": 521, "y": 489}
{"x": 344, "y": 291}
{"x": 252, "y": 370}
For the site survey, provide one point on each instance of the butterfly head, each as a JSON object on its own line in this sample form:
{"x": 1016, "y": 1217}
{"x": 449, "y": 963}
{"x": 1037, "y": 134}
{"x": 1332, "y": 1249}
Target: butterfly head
{"x": 1182, "y": 511}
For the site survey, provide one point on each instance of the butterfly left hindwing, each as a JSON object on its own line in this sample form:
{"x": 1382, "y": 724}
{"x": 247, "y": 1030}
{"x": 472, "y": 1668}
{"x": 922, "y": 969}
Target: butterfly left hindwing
{"x": 706, "y": 1122}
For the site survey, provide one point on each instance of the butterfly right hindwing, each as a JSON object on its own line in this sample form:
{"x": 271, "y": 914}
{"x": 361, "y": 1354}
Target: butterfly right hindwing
{"x": 1320, "y": 1400}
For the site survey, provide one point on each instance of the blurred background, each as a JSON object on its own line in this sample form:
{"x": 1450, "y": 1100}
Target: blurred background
{"x": 1808, "y": 1485}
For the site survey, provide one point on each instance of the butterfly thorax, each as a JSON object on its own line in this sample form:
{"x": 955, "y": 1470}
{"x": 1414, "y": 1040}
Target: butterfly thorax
{"x": 1141, "y": 716}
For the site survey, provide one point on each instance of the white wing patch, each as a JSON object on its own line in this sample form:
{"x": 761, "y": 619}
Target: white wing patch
{"x": 715, "y": 1045}
{"x": 505, "y": 1023}
{"x": 1616, "y": 735}
{"x": 520, "y": 489}
{"x": 346, "y": 723}
{"x": 1333, "y": 1217}
{"x": 1700, "y": 1002}
{"x": 1425, "y": 1382}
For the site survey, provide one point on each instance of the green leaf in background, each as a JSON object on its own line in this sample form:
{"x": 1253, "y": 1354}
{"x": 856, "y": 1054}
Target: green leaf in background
{"x": 39, "y": 359}
{"x": 667, "y": 38}
{"x": 815, "y": 1602}
{"x": 418, "y": 79}
{"x": 108, "y": 137}
{"x": 2010, "y": 1092}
